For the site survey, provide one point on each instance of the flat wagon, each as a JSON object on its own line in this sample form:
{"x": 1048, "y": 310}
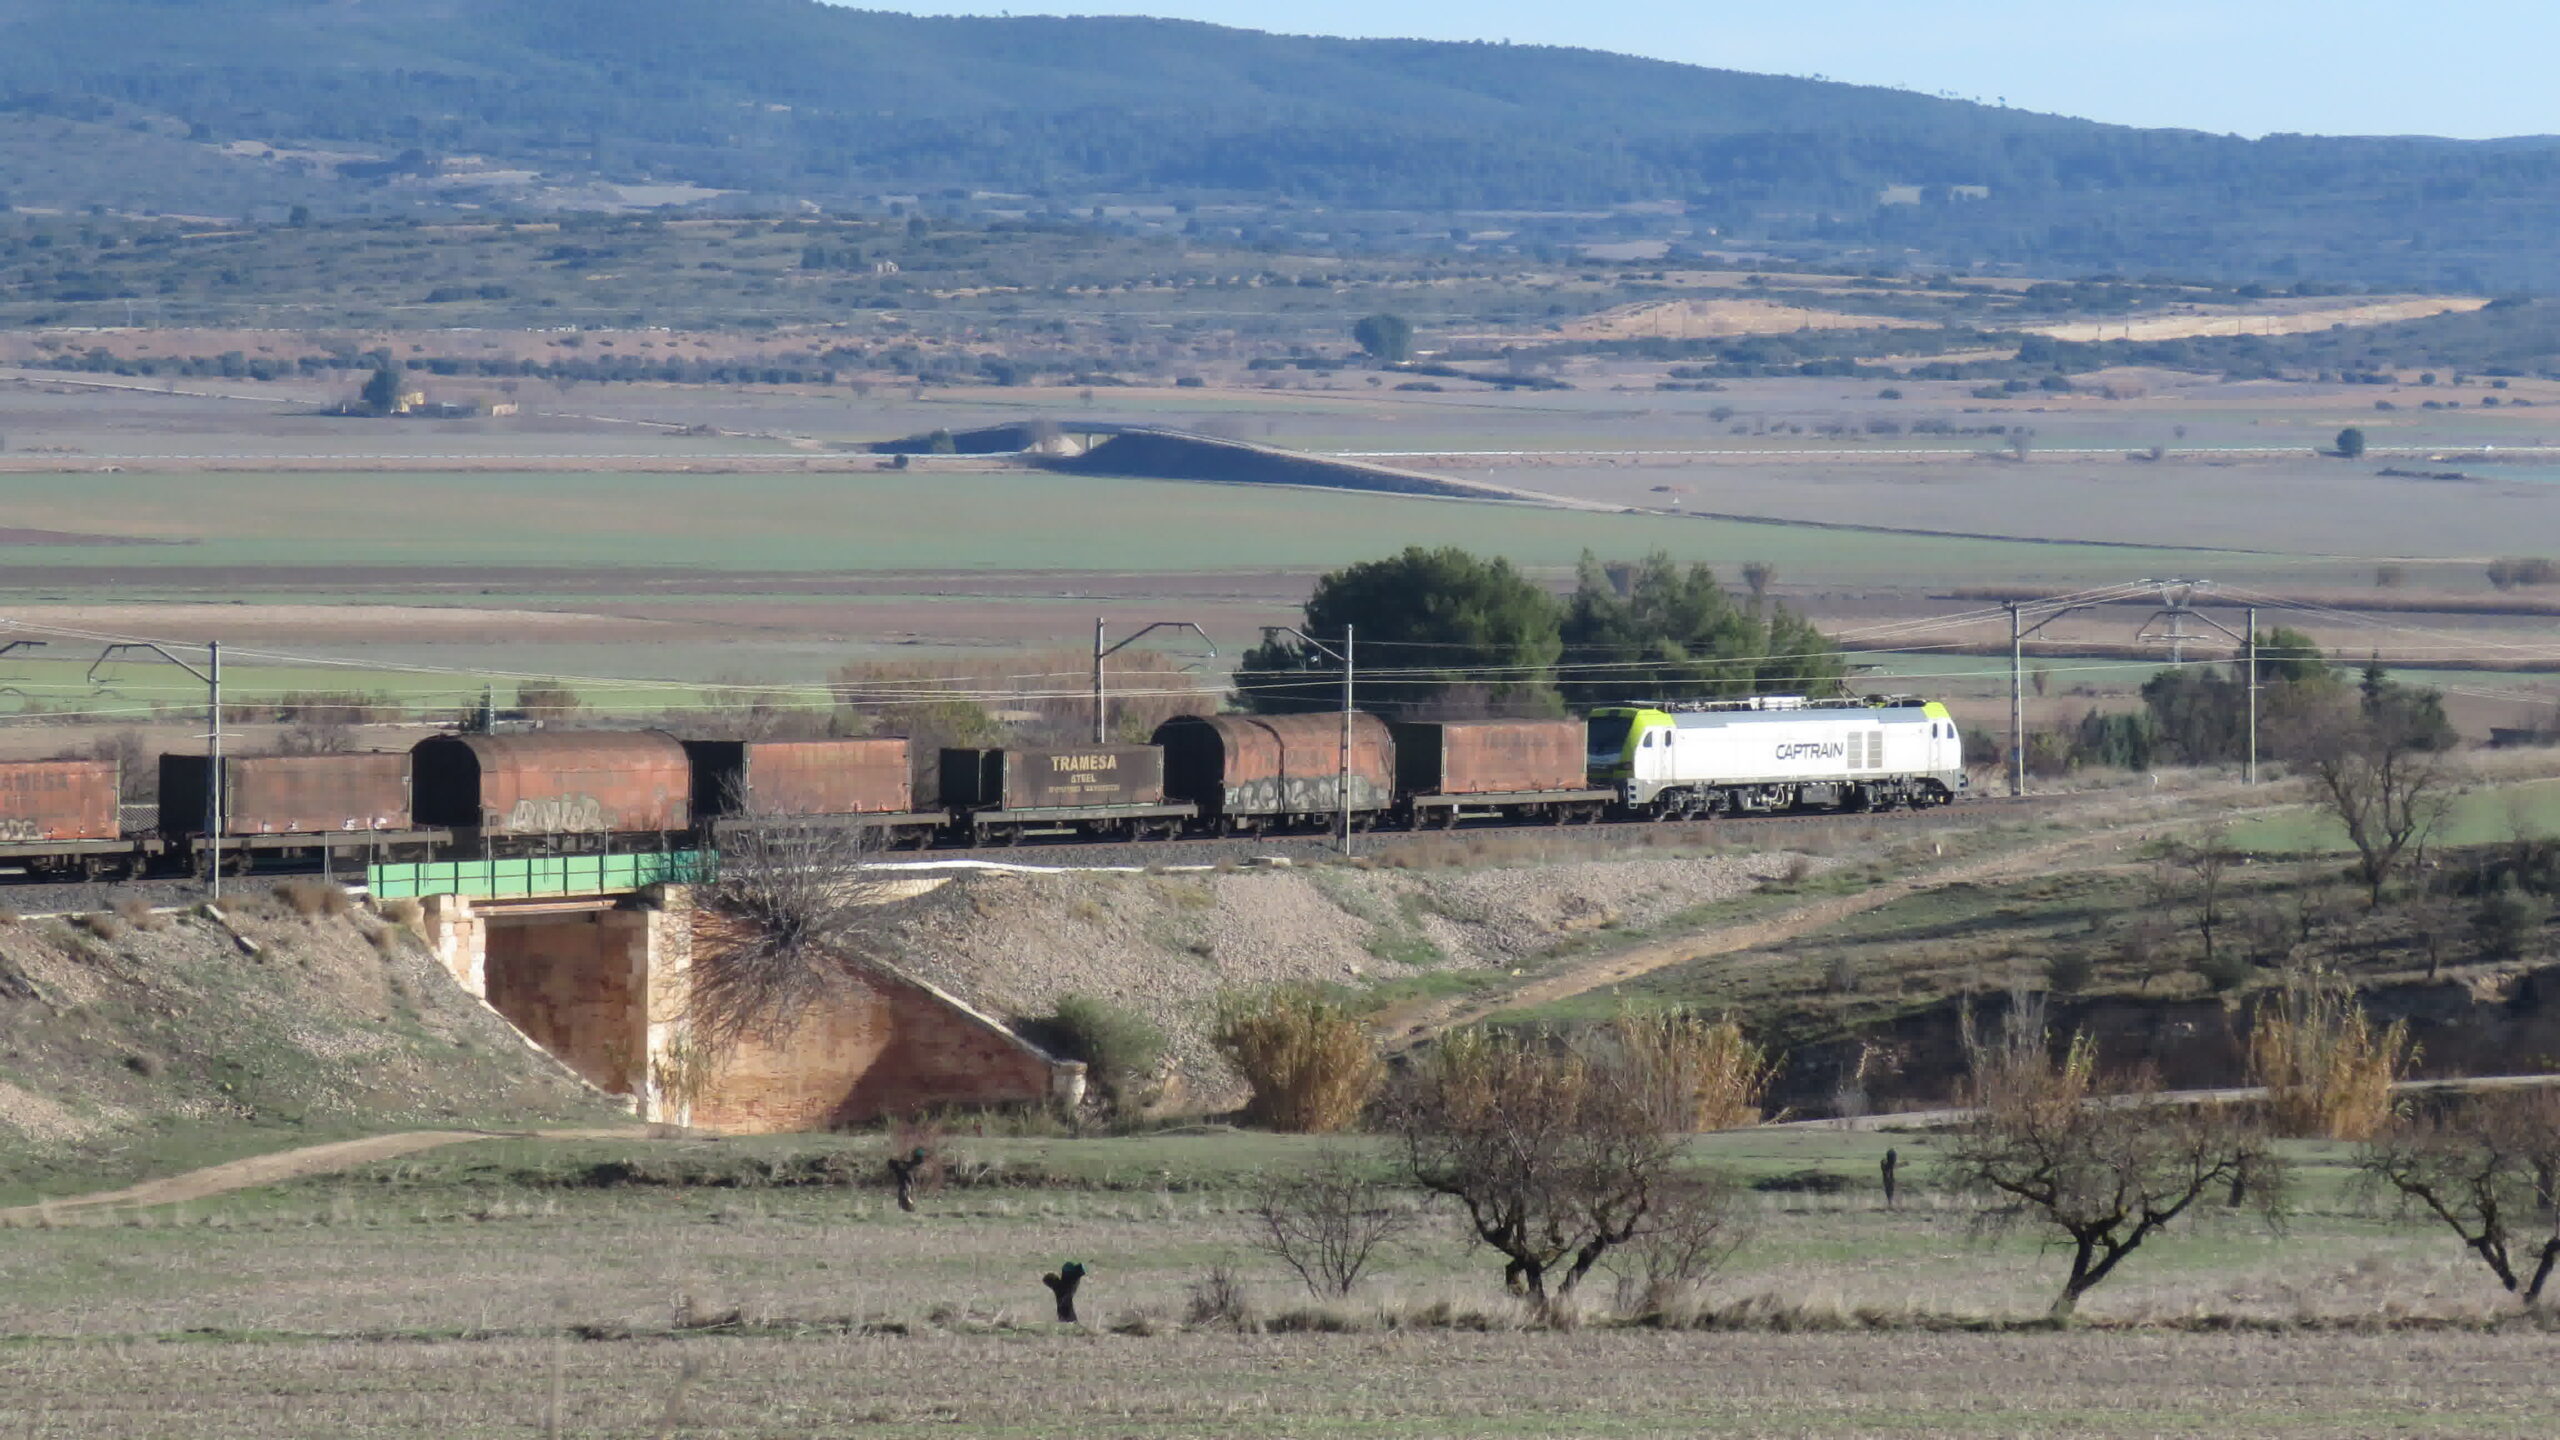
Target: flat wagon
{"x": 1104, "y": 791}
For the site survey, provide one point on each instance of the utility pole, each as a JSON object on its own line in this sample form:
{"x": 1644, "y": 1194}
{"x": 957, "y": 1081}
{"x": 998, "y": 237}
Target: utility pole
{"x": 2019, "y": 631}
{"x": 2177, "y": 608}
{"x": 1342, "y": 767}
{"x": 1101, "y": 724}
{"x": 211, "y": 675}
{"x": 2251, "y": 695}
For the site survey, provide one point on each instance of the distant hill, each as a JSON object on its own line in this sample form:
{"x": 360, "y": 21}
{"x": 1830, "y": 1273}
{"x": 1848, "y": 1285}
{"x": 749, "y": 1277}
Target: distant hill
{"x": 391, "y": 103}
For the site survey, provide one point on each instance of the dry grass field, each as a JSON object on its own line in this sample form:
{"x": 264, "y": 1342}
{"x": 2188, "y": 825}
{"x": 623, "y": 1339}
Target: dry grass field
{"x": 469, "y": 1291}
{"x": 2138, "y": 1387}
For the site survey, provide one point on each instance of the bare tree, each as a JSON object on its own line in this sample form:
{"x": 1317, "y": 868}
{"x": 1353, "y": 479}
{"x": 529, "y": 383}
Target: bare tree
{"x": 2101, "y": 1174}
{"x": 2487, "y": 1171}
{"x": 1328, "y": 1222}
{"x": 1554, "y": 1154}
{"x": 1693, "y": 1230}
{"x": 2379, "y": 776}
{"x": 2207, "y": 861}
{"x": 788, "y": 919}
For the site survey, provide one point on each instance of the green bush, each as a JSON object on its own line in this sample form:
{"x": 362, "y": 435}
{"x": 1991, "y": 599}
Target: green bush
{"x": 2509, "y": 920}
{"x": 1120, "y": 1048}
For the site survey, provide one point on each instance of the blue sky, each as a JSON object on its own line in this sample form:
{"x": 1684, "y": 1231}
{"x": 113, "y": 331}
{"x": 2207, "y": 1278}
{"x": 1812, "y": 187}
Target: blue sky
{"x": 2468, "y": 68}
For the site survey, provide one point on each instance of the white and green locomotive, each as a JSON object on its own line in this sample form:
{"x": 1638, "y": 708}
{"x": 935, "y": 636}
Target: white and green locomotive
{"x": 1775, "y": 753}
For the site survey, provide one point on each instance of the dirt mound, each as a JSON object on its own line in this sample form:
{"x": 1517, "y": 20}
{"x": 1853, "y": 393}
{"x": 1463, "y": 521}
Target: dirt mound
{"x": 1168, "y": 946}
{"x": 1716, "y": 319}
{"x": 135, "y": 1049}
{"x": 2270, "y": 320}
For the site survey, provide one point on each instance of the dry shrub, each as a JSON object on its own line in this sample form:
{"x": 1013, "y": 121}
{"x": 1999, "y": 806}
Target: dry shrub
{"x": 1219, "y": 1298}
{"x": 100, "y": 924}
{"x": 403, "y": 912}
{"x": 1695, "y": 1073}
{"x": 137, "y": 912}
{"x": 1312, "y": 1062}
{"x": 2327, "y": 1068}
{"x": 312, "y": 899}
{"x": 11, "y": 917}
{"x": 2016, "y": 1077}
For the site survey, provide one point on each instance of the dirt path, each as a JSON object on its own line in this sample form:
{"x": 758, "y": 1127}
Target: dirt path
{"x": 1416, "y": 1023}
{"x": 286, "y": 1165}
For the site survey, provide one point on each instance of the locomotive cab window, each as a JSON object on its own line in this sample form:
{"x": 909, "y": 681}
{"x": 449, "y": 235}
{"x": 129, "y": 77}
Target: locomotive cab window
{"x": 1609, "y": 733}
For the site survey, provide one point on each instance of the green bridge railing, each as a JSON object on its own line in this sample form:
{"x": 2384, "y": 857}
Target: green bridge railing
{"x": 540, "y": 875}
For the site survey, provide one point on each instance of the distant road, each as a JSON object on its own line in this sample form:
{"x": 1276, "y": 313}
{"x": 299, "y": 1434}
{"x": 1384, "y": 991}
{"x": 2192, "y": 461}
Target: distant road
{"x": 1881, "y": 452}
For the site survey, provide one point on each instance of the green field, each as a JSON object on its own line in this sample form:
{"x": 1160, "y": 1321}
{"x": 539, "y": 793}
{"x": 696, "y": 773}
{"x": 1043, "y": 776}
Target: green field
{"x": 2485, "y": 816}
{"x": 926, "y": 519}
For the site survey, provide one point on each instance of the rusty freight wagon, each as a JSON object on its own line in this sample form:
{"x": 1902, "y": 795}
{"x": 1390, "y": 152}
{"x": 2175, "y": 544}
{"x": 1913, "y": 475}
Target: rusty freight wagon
{"x": 1448, "y": 770}
{"x": 60, "y": 816}
{"x": 293, "y": 806}
{"x": 1106, "y": 791}
{"x": 1270, "y": 772}
{"x": 553, "y": 789}
{"x": 763, "y": 781}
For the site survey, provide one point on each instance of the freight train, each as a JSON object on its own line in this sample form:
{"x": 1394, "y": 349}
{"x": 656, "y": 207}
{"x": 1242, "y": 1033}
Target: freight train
{"x": 473, "y": 796}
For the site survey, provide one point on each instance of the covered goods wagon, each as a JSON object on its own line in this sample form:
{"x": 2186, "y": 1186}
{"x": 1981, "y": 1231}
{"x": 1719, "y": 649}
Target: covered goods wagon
{"x": 44, "y": 801}
{"x": 287, "y": 794}
{"x": 1524, "y": 769}
{"x": 560, "y": 783}
{"x": 1266, "y": 771}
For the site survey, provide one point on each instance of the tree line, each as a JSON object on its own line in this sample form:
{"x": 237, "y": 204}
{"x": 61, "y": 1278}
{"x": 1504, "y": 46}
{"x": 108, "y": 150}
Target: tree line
{"x": 1448, "y": 632}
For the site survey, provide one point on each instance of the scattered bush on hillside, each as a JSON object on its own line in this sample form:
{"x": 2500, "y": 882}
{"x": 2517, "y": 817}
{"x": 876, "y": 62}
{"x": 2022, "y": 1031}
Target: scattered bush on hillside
{"x": 2327, "y": 1067}
{"x": 312, "y": 899}
{"x": 2070, "y": 971}
{"x": 137, "y": 912}
{"x": 101, "y": 924}
{"x": 2509, "y": 920}
{"x": 1311, "y": 1062}
{"x": 1120, "y": 1049}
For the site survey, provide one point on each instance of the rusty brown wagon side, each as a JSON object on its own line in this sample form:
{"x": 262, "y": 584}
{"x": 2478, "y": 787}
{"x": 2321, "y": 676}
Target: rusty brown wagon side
{"x": 557, "y": 783}
{"x": 1517, "y": 769}
{"x": 43, "y": 801}
{"x": 866, "y": 776}
{"x": 1260, "y": 771}
{"x": 288, "y": 794}
{"x": 866, "y": 780}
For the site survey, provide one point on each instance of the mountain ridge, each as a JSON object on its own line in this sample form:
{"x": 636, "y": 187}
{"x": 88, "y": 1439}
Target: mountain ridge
{"x": 798, "y": 101}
